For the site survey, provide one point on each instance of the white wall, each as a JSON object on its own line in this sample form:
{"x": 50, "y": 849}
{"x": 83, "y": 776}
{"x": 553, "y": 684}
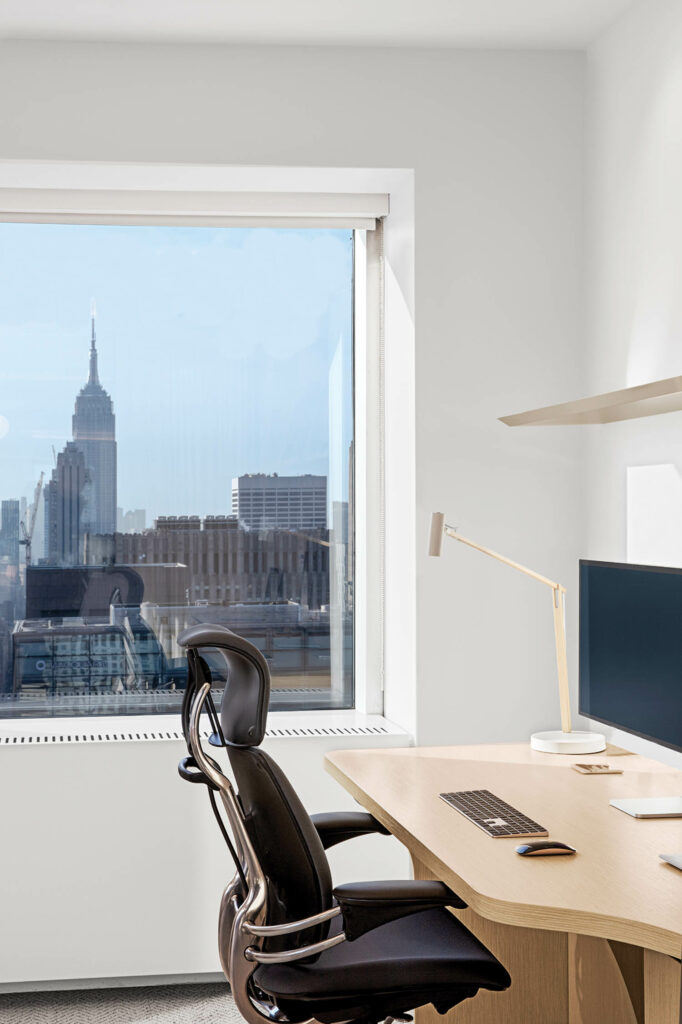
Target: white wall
{"x": 113, "y": 867}
{"x": 633, "y": 487}
{"x": 496, "y": 142}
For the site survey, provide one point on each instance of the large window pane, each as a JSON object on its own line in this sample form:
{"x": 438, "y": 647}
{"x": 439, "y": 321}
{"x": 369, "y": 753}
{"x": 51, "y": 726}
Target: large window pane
{"x": 184, "y": 454}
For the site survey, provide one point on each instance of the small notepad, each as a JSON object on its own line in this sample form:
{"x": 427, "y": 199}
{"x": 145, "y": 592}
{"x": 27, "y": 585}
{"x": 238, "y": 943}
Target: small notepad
{"x": 596, "y": 769}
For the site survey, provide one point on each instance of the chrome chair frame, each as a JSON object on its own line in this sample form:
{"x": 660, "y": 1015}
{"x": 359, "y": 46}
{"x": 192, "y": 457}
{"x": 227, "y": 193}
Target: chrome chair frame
{"x": 242, "y": 914}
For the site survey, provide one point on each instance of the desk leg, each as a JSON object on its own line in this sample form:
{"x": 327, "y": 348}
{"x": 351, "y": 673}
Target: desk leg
{"x": 605, "y": 982}
{"x": 537, "y": 962}
{"x": 661, "y": 989}
{"x": 614, "y": 983}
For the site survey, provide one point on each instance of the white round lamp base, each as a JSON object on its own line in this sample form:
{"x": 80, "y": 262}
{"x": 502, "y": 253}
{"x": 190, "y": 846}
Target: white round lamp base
{"x": 558, "y": 742}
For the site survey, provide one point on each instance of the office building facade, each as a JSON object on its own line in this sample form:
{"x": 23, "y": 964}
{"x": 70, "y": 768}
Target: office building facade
{"x": 133, "y": 521}
{"x": 10, "y": 531}
{"x": 226, "y": 563}
{"x": 271, "y": 502}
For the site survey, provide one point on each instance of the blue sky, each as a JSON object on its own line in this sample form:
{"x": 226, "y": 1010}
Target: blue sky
{"x": 215, "y": 345}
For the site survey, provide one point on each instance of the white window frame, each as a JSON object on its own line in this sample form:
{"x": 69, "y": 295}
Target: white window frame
{"x": 385, "y": 548}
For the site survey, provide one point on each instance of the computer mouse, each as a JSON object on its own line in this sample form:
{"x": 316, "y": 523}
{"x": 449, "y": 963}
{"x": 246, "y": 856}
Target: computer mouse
{"x": 544, "y": 848}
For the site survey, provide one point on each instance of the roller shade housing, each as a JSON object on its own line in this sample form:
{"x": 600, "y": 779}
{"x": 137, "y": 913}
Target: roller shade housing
{"x": 197, "y": 208}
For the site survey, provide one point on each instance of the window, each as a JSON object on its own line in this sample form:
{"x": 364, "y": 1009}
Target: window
{"x": 184, "y": 454}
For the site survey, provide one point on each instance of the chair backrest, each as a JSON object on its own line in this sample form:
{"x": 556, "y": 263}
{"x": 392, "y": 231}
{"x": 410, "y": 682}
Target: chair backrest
{"x": 287, "y": 845}
{"x": 285, "y": 841}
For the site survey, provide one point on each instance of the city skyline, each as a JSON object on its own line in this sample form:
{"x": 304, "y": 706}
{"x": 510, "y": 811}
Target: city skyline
{"x": 265, "y": 406}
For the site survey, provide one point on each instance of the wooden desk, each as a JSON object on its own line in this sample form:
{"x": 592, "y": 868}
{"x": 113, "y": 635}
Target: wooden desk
{"x": 588, "y": 939}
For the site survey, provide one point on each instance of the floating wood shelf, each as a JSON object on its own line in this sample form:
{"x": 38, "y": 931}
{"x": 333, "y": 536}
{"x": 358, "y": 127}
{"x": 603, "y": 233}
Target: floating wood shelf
{"x": 628, "y": 404}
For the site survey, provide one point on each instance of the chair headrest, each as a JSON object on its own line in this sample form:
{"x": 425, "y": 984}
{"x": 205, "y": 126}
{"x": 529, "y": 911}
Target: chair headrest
{"x": 244, "y": 708}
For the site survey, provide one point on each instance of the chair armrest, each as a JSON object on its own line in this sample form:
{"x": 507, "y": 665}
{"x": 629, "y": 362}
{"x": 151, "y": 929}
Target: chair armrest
{"x": 368, "y": 905}
{"x": 338, "y": 826}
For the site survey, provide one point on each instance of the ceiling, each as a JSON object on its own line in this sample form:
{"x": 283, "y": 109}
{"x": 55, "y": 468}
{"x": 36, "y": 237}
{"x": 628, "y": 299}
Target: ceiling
{"x": 492, "y": 23}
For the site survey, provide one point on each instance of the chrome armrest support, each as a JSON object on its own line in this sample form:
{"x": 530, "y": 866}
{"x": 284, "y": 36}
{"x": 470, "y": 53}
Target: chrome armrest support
{"x": 267, "y": 930}
{"x": 288, "y": 955}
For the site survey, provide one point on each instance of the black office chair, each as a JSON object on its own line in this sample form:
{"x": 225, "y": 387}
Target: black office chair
{"x": 292, "y": 946}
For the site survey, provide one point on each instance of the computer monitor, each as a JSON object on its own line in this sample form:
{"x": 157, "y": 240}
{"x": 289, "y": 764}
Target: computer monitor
{"x": 631, "y": 649}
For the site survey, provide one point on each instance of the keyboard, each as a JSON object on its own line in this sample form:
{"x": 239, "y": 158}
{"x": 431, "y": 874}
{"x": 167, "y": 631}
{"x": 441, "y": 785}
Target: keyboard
{"x": 495, "y": 817}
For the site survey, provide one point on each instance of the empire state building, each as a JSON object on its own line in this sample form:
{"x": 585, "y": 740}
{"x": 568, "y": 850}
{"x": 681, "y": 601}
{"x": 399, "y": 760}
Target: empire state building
{"x": 94, "y": 433}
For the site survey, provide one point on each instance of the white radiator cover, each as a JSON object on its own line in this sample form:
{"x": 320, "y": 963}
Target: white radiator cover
{"x": 112, "y": 867}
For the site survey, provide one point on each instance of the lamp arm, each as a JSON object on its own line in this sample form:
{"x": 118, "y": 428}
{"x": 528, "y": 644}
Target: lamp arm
{"x": 558, "y": 592}
{"x": 451, "y": 532}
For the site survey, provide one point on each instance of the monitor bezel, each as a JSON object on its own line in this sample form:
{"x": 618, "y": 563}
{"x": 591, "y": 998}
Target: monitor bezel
{"x": 593, "y": 718}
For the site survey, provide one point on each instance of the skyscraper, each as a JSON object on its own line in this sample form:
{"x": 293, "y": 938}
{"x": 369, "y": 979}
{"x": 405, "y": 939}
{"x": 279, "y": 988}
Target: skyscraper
{"x": 9, "y": 532}
{"x": 94, "y": 433}
{"x": 64, "y": 508}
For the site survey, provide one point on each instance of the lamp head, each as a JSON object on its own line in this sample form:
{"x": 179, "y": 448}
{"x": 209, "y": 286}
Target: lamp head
{"x": 436, "y": 536}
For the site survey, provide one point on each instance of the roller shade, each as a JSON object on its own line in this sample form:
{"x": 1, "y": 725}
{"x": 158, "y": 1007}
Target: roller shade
{"x": 192, "y": 208}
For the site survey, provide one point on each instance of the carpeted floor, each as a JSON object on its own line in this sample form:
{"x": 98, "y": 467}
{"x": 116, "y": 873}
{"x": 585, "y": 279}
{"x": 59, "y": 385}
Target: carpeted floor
{"x": 164, "y": 1004}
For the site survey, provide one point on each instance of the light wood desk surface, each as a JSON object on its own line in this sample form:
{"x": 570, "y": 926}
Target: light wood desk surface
{"x": 615, "y": 887}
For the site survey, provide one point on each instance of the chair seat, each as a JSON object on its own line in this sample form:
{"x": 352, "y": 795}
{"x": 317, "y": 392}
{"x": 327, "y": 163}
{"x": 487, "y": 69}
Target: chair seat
{"x": 430, "y": 952}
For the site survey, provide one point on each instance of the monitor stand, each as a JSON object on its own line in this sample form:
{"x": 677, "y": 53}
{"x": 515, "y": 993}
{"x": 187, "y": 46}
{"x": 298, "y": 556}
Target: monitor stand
{"x": 651, "y": 806}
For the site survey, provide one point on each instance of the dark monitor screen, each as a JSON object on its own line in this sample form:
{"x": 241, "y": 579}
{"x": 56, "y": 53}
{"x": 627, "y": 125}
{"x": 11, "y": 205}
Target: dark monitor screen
{"x": 631, "y": 649}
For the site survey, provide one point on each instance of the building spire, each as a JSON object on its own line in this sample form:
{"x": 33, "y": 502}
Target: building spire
{"x": 94, "y": 377}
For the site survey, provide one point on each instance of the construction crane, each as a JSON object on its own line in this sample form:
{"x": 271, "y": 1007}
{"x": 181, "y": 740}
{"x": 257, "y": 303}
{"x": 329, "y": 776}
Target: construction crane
{"x": 27, "y": 533}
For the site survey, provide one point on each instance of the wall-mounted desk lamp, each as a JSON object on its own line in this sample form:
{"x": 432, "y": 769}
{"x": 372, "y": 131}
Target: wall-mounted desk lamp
{"x": 563, "y": 741}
